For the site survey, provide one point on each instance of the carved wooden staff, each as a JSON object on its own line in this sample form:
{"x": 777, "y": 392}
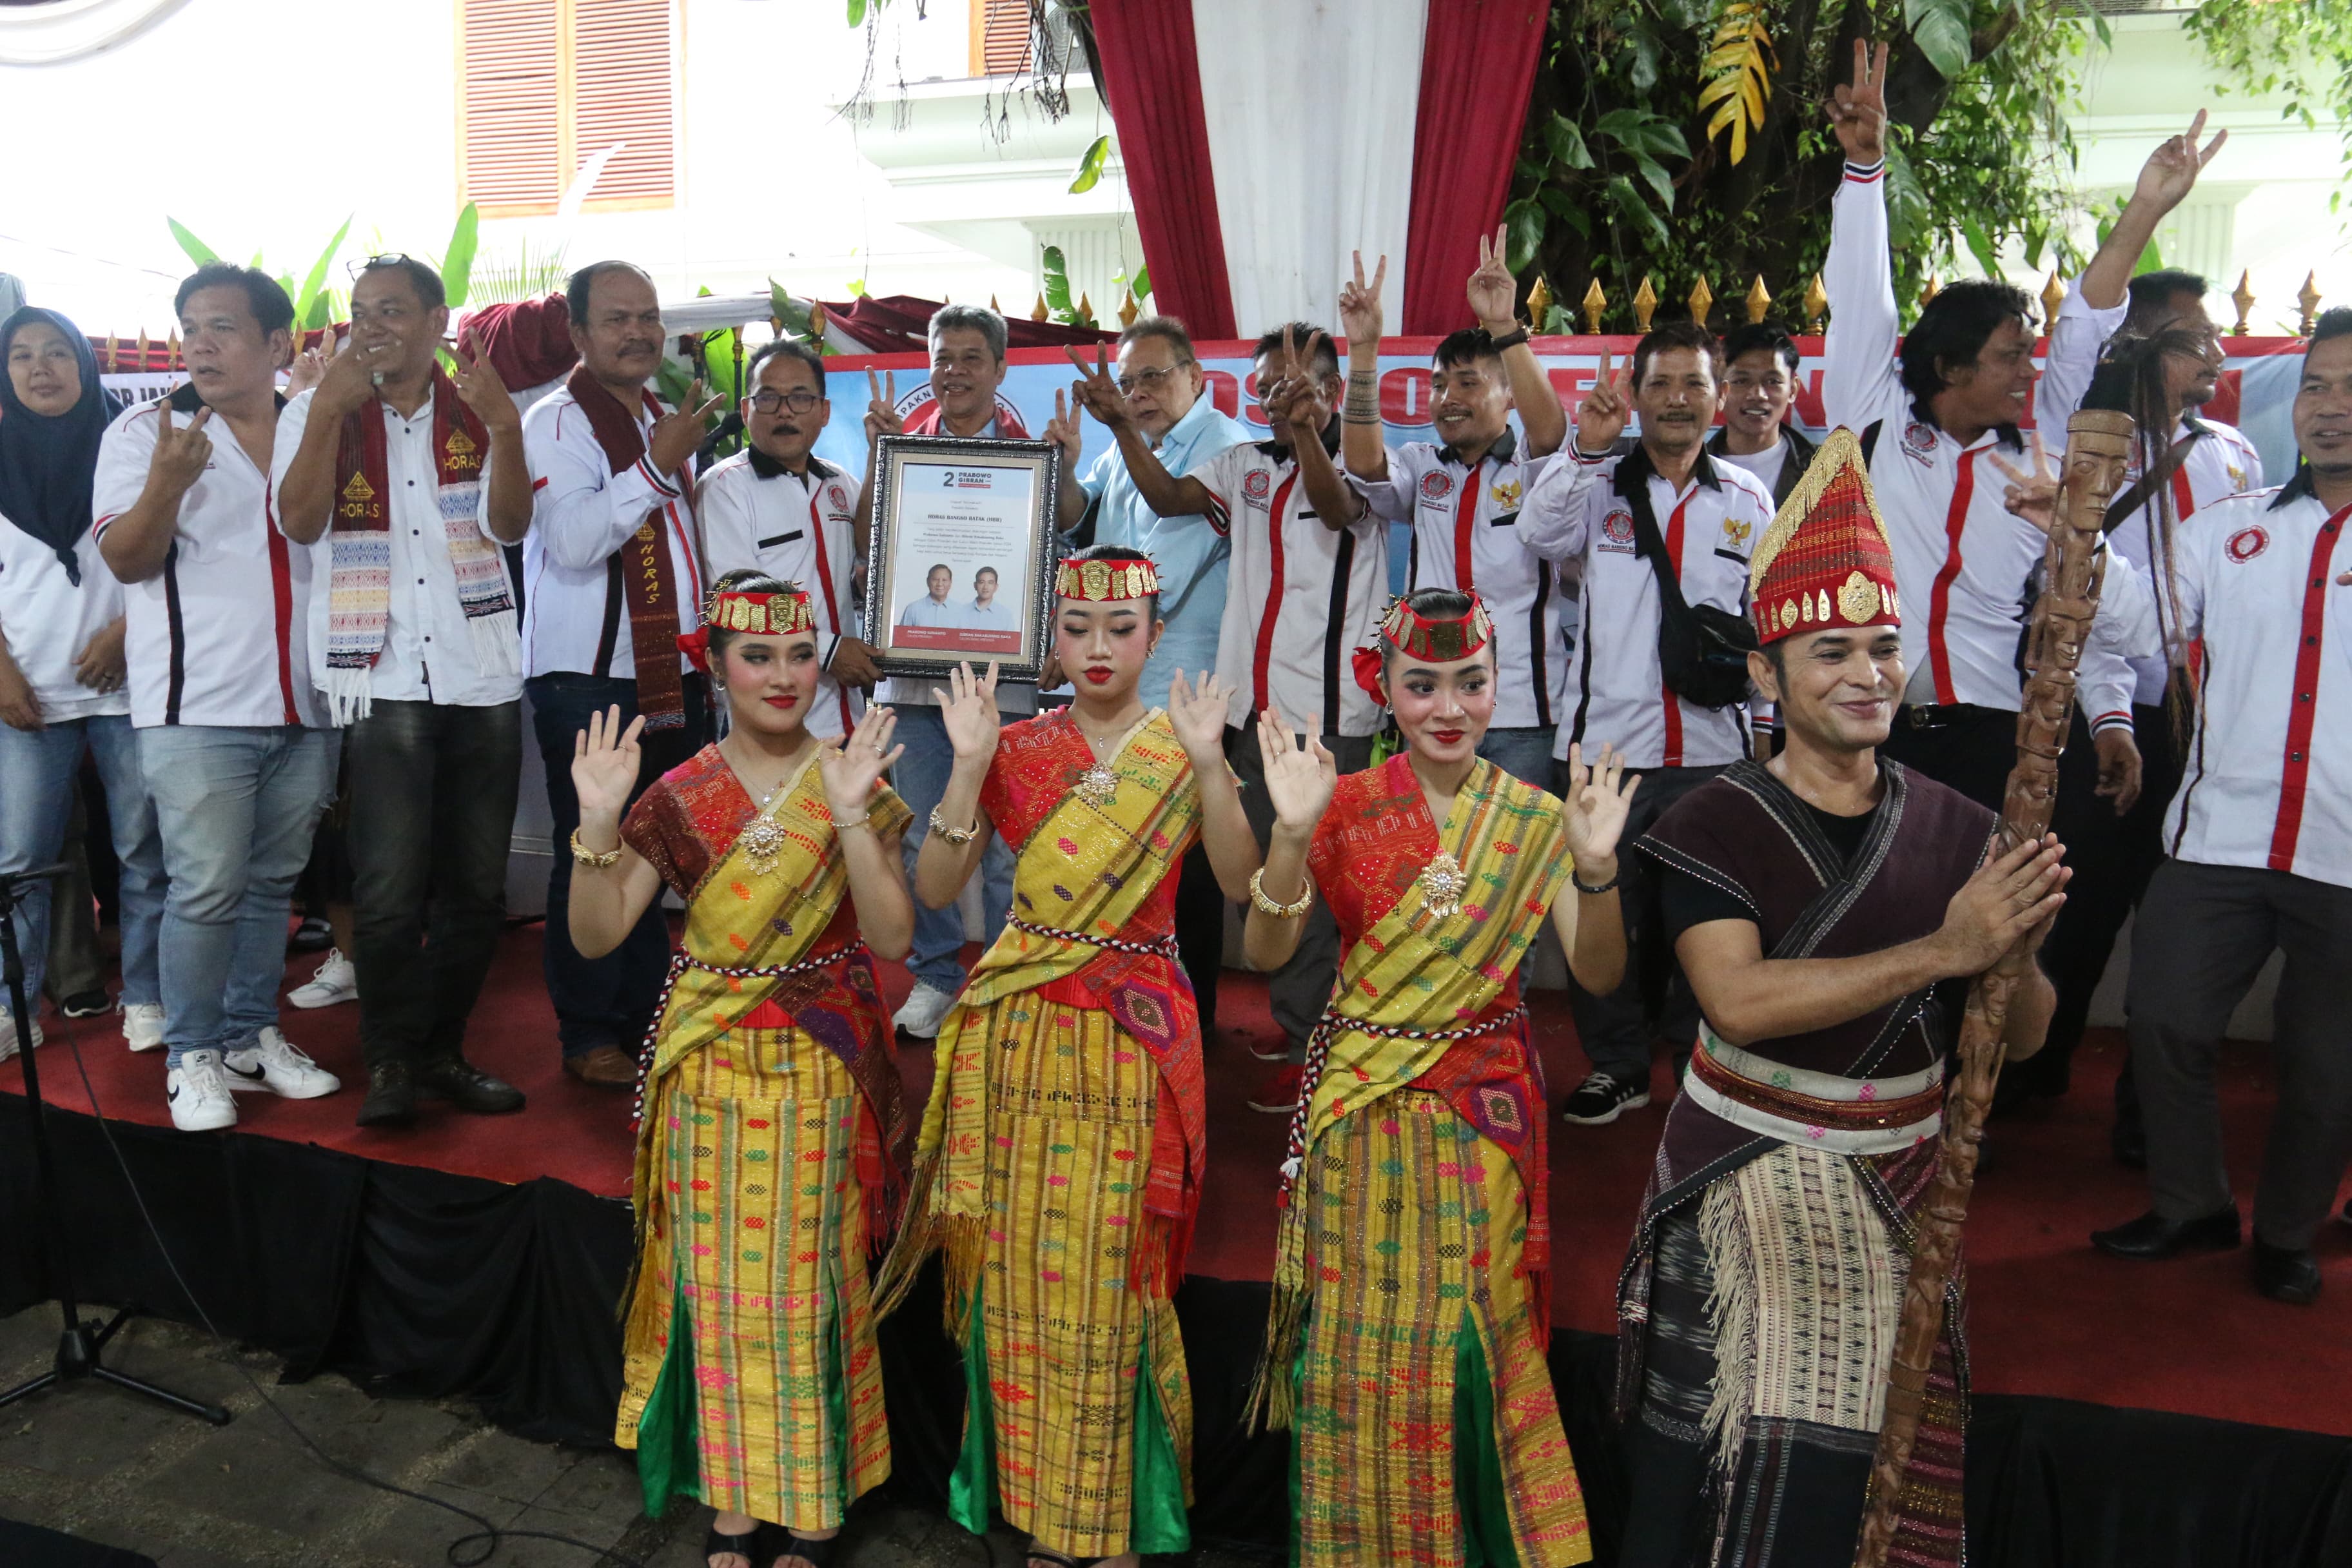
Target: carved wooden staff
{"x": 2098, "y": 445}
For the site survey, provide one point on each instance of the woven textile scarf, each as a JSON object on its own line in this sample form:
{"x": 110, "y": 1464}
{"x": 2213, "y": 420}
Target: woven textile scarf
{"x": 642, "y": 560}
{"x": 359, "y": 606}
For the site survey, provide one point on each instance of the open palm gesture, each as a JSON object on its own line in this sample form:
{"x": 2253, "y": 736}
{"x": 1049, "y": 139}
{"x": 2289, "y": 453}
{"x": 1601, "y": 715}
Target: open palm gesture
{"x": 1298, "y": 779}
{"x": 1598, "y": 799}
{"x": 1198, "y": 716}
{"x": 1360, "y": 303}
{"x": 604, "y": 763}
{"x": 968, "y": 711}
{"x": 1494, "y": 292}
{"x": 851, "y": 769}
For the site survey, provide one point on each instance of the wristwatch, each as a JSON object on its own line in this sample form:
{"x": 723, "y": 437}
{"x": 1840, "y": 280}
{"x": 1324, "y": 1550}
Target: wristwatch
{"x": 1510, "y": 340}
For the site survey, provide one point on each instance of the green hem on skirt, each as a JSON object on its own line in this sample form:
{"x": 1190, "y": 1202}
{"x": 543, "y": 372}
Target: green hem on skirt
{"x": 668, "y": 1454}
{"x": 1480, "y": 1493}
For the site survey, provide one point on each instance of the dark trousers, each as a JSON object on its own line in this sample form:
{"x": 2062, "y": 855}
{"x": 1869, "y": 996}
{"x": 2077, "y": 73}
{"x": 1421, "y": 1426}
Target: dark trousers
{"x": 1301, "y": 989}
{"x": 1201, "y": 932}
{"x": 1654, "y": 998}
{"x": 2204, "y": 933}
{"x": 1966, "y": 748}
{"x": 432, "y": 800}
{"x": 606, "y": 1001}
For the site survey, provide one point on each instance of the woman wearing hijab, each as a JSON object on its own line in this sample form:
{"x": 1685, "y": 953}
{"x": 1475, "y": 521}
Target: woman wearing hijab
{"x": 61, "y": 667}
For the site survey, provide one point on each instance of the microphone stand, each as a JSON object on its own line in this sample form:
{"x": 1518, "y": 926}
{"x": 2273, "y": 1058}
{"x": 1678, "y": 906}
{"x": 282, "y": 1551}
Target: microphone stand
{"x": 83, "y": 1340}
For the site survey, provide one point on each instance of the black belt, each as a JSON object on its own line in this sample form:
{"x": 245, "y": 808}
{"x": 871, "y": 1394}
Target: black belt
{"x": 1943, "y": 715}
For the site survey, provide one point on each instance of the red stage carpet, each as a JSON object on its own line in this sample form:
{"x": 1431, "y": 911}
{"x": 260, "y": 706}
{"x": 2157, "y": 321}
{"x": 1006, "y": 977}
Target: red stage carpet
{"x": 2051, "y": 1316}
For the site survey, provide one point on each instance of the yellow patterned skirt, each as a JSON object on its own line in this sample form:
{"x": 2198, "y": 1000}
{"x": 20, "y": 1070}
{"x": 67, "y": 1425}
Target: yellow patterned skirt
{"x": 768, "y": 1398}
{"x": 1427, "y": 1432}
{"x": 1079, "y": 1421}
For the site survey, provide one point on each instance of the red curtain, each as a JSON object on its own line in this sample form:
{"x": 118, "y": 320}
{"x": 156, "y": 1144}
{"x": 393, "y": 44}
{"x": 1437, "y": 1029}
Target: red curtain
{"x": 1477, "y": 63}
{"x": 898, "y": 323}
{"x": 1153, "y": 78}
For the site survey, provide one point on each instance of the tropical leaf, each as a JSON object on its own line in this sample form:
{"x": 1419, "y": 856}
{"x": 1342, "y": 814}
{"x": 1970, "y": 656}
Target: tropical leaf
{"x": 1525, "y": 222}
{"x": 798, "y": 316}
{"x": 1090, "y": 166}
{"x": 1566, "y": 142}
{"x": 1737, "y": 74}
{"x": 1142, "y": 284}
{"x": 1057, "y": 270}
{"x": 1940, "y": 29}
{"x": 198, "y": 251}
{"x": 317, "y": 280}
{"x": 457, "y": 260}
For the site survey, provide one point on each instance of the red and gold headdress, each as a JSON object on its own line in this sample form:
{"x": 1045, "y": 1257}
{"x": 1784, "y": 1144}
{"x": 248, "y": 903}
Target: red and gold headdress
{"x": 770, "y": 615}
{"x": 1436, "y": 639}
{"x": 1102, "y": 581}
{"x": 1824, "y": 563}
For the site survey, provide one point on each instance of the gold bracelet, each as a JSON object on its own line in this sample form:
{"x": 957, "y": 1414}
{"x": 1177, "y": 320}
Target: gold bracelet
{"x": 841, "y": 822}
{"x": 1279, "y": 911}
{"x": 953, "y": 835}
{"x": 589, "y": 857}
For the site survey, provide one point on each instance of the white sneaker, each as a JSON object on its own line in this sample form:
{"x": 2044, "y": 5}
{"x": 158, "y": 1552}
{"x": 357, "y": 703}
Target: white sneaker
{"x": 143, "y": 1026}
{"x": 336, "y": 981}
{"x": 272, "y": 1063}
{"x": 198, "y": 1092}
{"x": 8, "y": 1034}
{"x": 926, "y": 1006}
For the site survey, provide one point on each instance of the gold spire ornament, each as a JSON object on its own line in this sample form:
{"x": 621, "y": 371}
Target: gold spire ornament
{"x": 1759, "y": 300}
{"x": 2309, "y": 299}
{"x": 2054, "y": 294}
{"x": 2243, "y": 298}
{"x": 1816, "y": 304}
{"x": 1929, "y": 290}
{"x": 1702, "y": 301}
{"x": 1129, "y": 310}
{"x": 1538, "y": 304}
{"x": 1595, "y": 301}
{"x": 1040, "y": 313}
{"x": 1645, "y": 304}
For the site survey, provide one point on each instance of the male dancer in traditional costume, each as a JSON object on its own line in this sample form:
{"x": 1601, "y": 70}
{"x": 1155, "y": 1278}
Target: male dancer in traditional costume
{"x": 1829, "y": 907}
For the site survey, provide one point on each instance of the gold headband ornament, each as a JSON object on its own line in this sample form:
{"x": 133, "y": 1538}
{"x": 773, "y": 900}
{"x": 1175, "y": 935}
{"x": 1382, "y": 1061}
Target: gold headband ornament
{"x": 770, "y": 615}
{"x": 1433, "y": 640}
{"x": 1101, "y": 581}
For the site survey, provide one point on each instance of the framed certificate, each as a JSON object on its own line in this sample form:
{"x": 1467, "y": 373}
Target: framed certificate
{"x": 960, "y": 561}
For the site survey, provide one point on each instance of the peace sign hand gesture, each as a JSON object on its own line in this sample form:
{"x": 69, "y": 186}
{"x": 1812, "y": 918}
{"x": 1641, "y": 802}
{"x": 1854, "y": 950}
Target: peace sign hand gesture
{"x": 1063, "y": 428}
{"x": 1601, "y": 414}
{"x": 180, "y": 455}
{"x": 1592, "y": 815}
{"x": 1298, "y": 780}
{"x": 1360, "y": 305}
{"x": 678, "y": 433}
{"x": 2171, "y": 171}
{"x": 969, "y": 713}
{"x": 1097, "y": 391}
{"x": 882, "y": 416}
{"x": 1858, "y": 112}
{"x": 479, "y": 384}
{"x": 1297, "y": 397}
{"x": 1494, "y": 292}
{"x": 2033, "y": 495}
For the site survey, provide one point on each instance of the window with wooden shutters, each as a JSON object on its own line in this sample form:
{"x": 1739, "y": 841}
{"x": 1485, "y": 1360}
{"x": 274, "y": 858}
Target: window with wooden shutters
{"x": 546, "y": 84}
{"x": 1000, "y": 37}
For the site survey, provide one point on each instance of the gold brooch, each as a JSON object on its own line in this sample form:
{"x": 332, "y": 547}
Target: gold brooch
{"x": 762, "y": 842}
{"x": 1096, "y": 785}
{"x": 1443, "y": 881}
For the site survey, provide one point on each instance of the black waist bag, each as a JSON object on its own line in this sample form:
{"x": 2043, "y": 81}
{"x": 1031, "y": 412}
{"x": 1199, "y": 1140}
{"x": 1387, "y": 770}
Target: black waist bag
{"x": 1702, "y": 651}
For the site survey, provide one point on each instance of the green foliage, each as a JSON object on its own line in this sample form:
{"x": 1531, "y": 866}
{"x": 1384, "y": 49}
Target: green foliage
{"x": 314, "y": 304}
{"x": 457, "y": 260}
{"x": 197, "y": 250}
{"x": 1059, "y": 303}
{"x": 715, "y": 361}
{"x": 525, "y": 272}
{"x": 797, "y": 315}
{"x": 1090, "y": 166}
{"x": 2301, "y": 49}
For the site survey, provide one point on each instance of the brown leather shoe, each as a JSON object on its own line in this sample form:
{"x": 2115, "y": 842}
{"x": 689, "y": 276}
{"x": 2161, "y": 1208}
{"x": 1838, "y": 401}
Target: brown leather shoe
{"x": 604, "y": 1066}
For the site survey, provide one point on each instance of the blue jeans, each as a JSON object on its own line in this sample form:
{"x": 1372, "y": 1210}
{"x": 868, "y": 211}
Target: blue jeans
{"x": 1524, "y": 753}
{"x": 37, "y": 775}
{"x": 237, "y": 806}
{"x": 920, "y": 777}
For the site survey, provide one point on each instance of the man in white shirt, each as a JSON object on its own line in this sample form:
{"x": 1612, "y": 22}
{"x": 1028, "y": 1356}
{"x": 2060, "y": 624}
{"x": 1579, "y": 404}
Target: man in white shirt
{"x": 777, "y": 506}
{"x": 1931, "y": 428}
{"x": 612, "y": 577}
{"x": 404, "y": 482}
{"x": 2261, "y": 839}
{"x": 1622, "y": 525}
{"x": 229, "y": 735}
{"x": 1462, "y": 493}
{"x": 1760, "y": 387}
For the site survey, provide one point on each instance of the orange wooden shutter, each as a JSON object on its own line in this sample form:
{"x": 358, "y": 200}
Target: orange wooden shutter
{"x": 620, "y": 61}
{"x": 509, "y": 111}
{"x": 1003, "y": 47}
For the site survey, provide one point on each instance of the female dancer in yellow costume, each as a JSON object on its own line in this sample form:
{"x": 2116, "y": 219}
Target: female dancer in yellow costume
{"x": 1412, "y": 1286}
{"x": 771, "y": 1111}
{"x": 1060, "y": 1165}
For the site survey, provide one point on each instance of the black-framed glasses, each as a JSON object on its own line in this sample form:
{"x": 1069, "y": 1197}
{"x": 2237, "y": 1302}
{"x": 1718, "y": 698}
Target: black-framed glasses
{"x": 1149, "y": 380}
{"x": 799, "y": 401}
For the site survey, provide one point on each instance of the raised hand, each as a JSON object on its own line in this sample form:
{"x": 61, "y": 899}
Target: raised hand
{"x": 1494, "y": 292}
{"x": 1063, "y": 430}
{"x": 1858, "y": 111}
{"x": 1097, "y": 391}
{"x": 1601, "y": 414}
{"x": 2033, "y": 495}
{"x": 479, "y": 384}
{"x": 1198, "y": 716}
{"x": 1298, "y": 780}
{"x": 882, "y": 416}
{"x": 851, "y": 769}
{"x": 2009, "y": 897}
{"x": 1594, "y": 805}
{"x": 676, "y": 434}
{"x": 604, "y": 765}
{"x": 1297, "y": 396}
{"x": 969, "y": 712}
{"x": 180, "y": 455}
{"x": 1359, "y": 304}
{"x": 309, "y": 368}
{"x": 2171, "y": 171}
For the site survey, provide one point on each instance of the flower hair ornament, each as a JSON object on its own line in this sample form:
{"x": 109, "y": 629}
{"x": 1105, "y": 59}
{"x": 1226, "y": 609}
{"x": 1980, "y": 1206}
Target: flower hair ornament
{"x": 1102, "y": 582}
{"x": 1434, "y": 639}
{"x": 770, "y": 615}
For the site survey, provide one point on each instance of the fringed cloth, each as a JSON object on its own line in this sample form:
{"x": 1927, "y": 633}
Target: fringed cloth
{"x": 1412, "y": 1282}
{"x": 767, "y": 1163}
{"x": 1058, "y": 1172}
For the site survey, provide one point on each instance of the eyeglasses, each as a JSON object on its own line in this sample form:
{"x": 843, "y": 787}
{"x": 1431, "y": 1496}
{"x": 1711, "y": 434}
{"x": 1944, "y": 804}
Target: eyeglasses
{"x": 1149, "y": 380}
{"x": 799, "y": 402}
{"x": 395, "y": 258}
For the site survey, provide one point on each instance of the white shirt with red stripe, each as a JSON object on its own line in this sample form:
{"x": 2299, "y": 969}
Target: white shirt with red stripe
{"x": 2269, "y": 777}
{"x": 797, "y": 528}
{"x": 1300, "y": 596}
{"x": 47, "y": 619}
{"x": 1710, "y": 526}
{"x": 575, "y": 612}
{"x": 1962, "y": 561}
{"x": 1480, "y": 551}
{"x": 221, "y": 634}
{"x": 2223, "y": 463}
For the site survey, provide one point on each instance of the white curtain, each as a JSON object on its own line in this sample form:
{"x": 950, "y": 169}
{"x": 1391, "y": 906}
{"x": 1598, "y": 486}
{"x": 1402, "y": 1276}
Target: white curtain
{"x": 1310, "y": 105}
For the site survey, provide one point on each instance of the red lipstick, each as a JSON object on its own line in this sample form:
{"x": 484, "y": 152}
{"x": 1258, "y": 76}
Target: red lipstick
{"x": 786, "y": 701}
{"x": 1446, "y": 737}
{"x": 1097, "y": 675}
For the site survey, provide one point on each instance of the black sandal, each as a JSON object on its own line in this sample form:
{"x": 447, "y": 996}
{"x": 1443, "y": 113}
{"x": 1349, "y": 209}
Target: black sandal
{"x": 816, "y": 1552}
{"x": 746, "y": 1546}
{"x": 1060, "y": 1560}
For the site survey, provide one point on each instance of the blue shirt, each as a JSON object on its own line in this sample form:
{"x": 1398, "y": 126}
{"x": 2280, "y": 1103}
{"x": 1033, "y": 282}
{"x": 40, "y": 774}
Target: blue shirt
{"x": 1191, "y": 552}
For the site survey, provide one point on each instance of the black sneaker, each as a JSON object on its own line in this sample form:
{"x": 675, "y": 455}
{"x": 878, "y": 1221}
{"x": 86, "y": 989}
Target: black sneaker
{"x": 1600, "y": 1099}
{"x": 86, "y": 1005}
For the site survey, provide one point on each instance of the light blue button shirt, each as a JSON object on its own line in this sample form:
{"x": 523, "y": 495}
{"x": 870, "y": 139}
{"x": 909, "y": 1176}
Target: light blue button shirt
{"x": 1190, "y": 552}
